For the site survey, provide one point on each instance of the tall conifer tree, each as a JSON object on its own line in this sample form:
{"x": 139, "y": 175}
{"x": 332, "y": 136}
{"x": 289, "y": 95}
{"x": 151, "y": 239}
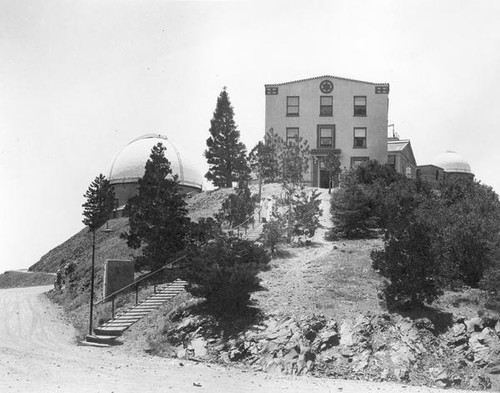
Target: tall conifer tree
{"x": 157, "y": 214}
{"x": 225, "y": 154}
{"x": 96, "y": 211}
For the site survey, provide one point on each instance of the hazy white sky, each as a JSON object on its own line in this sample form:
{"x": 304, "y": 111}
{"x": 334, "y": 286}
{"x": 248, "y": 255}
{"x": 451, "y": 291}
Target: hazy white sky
{"x": 79, "y": 80}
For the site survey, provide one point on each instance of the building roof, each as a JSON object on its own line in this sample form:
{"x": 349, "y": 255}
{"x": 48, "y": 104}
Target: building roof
{"x": 129, "y": 164}
{"x": 397, "y": 145}
{"x": 323, "y": 77}
{"x": 402, "y": 146}
{"x": 451, "y": 161}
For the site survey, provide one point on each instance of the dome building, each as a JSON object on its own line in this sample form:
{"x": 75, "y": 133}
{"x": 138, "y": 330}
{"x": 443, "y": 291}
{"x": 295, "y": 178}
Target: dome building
{"x": 446, "y": 166}
{"x": 129, "y": 166}
{"x": 453, "y": 164}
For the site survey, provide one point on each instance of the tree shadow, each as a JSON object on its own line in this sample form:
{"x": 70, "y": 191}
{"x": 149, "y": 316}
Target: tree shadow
{"x": 228, "y": 323}
{"x": 283, "y": 254}
{"x": 440, "y": 319}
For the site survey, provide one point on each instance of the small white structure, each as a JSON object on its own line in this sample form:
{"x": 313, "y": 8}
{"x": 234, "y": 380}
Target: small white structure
{"x": 452, "y": 162}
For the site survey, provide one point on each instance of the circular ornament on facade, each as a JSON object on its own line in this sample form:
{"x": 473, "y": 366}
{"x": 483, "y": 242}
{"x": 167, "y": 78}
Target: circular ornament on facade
{"x": 326, "y": 86}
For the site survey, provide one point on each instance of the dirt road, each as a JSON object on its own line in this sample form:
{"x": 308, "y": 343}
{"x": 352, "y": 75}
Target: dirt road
{"x": 38, "y": 354}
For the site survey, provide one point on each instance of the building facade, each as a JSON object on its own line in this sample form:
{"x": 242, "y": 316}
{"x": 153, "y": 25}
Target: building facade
{"x": 348, "y": 117}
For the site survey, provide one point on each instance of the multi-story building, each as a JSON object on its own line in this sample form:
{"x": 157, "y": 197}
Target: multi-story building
{"x": 346, "y": 116}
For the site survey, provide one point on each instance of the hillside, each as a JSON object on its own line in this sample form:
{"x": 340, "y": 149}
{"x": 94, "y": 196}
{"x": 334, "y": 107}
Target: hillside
{"x": 18, "y": 279}
{"x": 320, "y": 302}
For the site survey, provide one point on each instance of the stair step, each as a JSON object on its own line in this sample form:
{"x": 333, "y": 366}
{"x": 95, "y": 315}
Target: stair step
{"x": 108, "y": 331}
{"x": 126, "y": 320}
{"x": 133, "y": 314}
{"x": 100, "y": 339}
{"x": 146, "y": 307}
{"x": 121, "y": 327}
{"x": 92, "y": 344}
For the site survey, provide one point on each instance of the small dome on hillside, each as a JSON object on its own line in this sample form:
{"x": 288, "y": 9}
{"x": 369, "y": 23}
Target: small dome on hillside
{"x": 451, "y": 161}
{"x": 129, "y": 165}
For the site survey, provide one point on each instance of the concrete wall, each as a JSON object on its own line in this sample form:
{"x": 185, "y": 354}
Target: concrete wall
{"x": 343, "y": 118}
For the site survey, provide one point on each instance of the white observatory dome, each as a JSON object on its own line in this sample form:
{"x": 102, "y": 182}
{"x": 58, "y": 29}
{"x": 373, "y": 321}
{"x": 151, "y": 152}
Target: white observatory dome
{"x": 452, "y": 162}
{"x": 129, "y": 165}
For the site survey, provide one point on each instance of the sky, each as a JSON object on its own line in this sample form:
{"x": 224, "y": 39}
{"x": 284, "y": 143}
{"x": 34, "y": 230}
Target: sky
{"x": 80, "y": 80}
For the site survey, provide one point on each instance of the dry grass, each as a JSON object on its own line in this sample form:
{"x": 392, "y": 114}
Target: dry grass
{"x": 333, "y": 279}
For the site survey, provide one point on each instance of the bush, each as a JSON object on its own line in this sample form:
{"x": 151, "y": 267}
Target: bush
{"x": 361, "y": 204}
{"x": 224, "y": 272}
{"x": 272, "y": 233}
{"x": 436, "y": 239}
{"x": 306, "y": 213}
{"x": 470, "y": 226}
{"x": 237, "y": 208}
{"x": 409, "y": 263}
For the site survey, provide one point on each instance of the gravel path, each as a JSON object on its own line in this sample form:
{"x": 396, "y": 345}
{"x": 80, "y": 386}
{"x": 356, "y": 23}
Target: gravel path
{"x": 38, "y": 354}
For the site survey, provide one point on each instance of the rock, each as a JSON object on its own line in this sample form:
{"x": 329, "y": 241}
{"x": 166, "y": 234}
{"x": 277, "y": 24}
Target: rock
{"x": 401, "y": 374}
{"x": 199, "y": 346}
{"x": 479, "y": 382}
{"x": 494, "y": 369}
{"x": 474, "y": 324}
{"x": 425, "y": 323}
{"x": 457, "y": 335}
{"x": 360, "y": 361}
{"x": 485, "y": 346}
{"x": 327, "y": 339}
{"x": 440, "y": 376}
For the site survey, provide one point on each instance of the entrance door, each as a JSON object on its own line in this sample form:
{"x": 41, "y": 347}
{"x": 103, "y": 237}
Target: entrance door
{"x": 324, "y": 179}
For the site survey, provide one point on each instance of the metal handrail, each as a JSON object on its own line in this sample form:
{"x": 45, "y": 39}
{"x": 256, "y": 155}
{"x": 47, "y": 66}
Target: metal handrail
{"x": 136, "y": 282}
{"x": 251, "y": 216}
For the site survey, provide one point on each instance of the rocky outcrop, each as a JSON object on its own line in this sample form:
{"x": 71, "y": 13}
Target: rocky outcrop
{"x": 370, "y": 347}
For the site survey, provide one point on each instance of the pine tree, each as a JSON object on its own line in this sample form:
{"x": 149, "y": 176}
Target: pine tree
{"x": 158, "y": 214}
{"x": 225, "y": 154}
{"x": 96, "y": 211}
{"x": 265, "y": 157}
{"x": 100, "y": 203}
{"x": 294, "y": 162}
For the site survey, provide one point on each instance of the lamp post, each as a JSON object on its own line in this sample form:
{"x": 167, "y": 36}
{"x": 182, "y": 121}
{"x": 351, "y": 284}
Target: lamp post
{"x": 92, "y": 283}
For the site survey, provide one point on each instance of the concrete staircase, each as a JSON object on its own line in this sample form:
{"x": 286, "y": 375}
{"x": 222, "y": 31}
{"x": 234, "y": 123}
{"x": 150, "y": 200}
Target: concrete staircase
{"x": 107, "y": 333}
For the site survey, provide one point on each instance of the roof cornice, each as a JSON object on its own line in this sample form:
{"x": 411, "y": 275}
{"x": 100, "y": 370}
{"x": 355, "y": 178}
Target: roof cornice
{"x": 323, "y": 77}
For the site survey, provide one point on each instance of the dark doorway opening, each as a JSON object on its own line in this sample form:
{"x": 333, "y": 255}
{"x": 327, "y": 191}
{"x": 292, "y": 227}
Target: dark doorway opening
{"x": 324, "y": 179}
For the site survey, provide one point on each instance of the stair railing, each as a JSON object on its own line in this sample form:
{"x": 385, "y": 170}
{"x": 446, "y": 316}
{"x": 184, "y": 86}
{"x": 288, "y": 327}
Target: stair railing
{"x": 250, "y": 218}
{"x": 135, "y": 284}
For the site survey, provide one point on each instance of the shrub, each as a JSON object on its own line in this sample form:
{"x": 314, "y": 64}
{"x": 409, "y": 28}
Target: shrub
{"x": 237, "y": 208}
{"x": 361, "y": 204}
{"x": 306, "y": 213}
{"x": 470, "y": 226}
{"x": 224, "y": 272}
{"x": 409, "y": 263}
{"x": 272, "y": 233}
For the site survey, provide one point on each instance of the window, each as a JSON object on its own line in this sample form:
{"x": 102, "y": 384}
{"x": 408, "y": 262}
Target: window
{"x": 326, "y": 136}
{"x": 326, "y": 106}
{"x": 292, "y": 106}
{"x": 391, "y": 160}
{"x": 292, "y": 135}
{"x": 360, "y": 138}
{"x": 355, "y": 161}
{"x": 359, "y": 105}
